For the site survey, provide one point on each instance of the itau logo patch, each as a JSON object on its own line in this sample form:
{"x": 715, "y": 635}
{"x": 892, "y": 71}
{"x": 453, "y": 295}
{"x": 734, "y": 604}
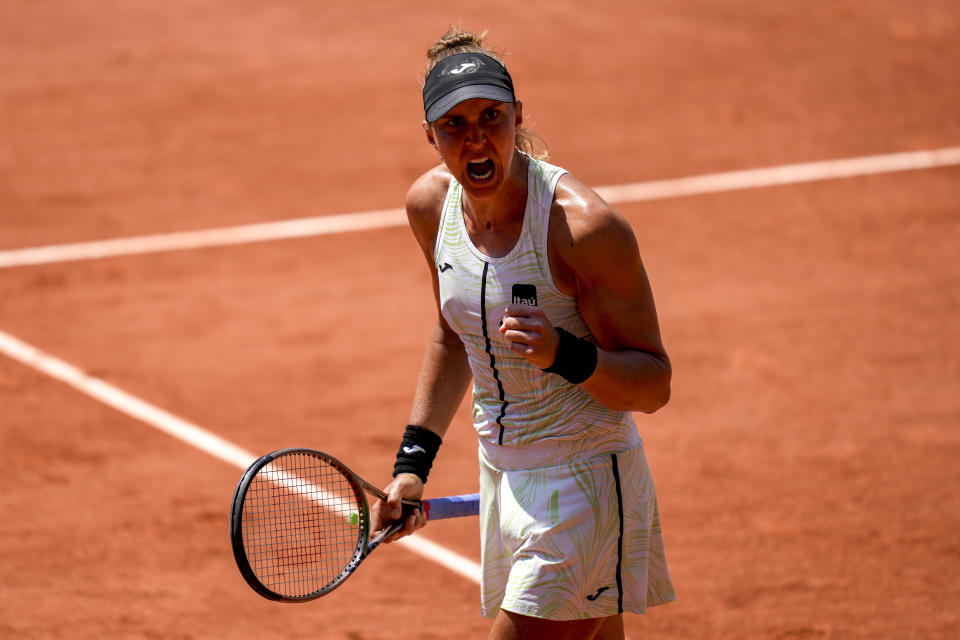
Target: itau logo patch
{"x": 524, "y": 294}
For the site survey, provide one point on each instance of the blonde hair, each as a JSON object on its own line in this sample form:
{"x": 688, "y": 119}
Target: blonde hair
{"x": 455, "y": 41}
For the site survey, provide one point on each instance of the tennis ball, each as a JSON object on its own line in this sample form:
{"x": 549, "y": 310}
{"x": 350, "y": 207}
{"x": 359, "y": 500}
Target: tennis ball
{"x": 354, "y": 518}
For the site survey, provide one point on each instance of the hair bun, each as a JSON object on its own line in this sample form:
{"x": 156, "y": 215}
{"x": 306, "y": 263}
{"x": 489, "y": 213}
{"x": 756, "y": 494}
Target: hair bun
{"x": 455, "y": 39}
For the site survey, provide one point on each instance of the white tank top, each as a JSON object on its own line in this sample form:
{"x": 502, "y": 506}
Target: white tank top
{"x": 524, "y": 417}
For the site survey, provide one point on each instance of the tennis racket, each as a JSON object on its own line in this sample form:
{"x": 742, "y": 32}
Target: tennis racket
{"x": 300, "y": 523}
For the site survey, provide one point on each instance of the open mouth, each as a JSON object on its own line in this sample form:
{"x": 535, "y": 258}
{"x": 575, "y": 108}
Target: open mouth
{"x": 480, "y": 169}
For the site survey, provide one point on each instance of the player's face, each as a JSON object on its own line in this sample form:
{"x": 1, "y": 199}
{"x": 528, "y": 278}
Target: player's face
{"x": 476, "y": 140}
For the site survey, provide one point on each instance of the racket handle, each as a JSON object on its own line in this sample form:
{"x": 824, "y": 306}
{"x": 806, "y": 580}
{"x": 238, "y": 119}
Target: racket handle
{"x": 384, "y": 534}
{"x": 452, "y": 506}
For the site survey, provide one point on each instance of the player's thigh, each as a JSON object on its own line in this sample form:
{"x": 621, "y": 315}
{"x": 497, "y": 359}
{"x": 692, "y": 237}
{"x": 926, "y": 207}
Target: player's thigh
{"x": 611, "y": 629}
{"x": 513, "y": 626}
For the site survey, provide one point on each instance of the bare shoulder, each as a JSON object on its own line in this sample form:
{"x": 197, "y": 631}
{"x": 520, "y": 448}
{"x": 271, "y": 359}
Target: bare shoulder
{"x": 597, "y": 259}
{"x": 586, "y": 231}
{"x": 424, "y": 203}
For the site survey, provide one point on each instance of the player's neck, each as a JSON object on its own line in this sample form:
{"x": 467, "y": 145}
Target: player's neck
{"x": 504, "y": 209}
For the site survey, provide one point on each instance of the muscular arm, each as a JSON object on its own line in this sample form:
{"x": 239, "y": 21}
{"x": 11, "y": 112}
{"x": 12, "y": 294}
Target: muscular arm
{"x": 594, "y": 257}
{"x": 445, "y": 373}
{"x": 444, "y": 378}
{"x": 596, "y": 252}
{"x": 633, "y": 370}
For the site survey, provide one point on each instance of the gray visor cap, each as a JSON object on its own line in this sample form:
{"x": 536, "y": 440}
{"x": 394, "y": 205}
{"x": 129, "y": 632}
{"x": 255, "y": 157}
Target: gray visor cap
{"x": 464, "y": 76}
{"x": 455, "y": 97}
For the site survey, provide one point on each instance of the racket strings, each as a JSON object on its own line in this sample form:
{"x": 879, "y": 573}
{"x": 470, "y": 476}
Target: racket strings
{"x": 301, "y": 524}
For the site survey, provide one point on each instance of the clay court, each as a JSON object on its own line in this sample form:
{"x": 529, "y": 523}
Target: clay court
{"x": 807, "y": 465}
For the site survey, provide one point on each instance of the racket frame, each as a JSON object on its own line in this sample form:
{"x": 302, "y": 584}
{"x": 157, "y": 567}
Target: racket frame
{"x": 364, "y": 544}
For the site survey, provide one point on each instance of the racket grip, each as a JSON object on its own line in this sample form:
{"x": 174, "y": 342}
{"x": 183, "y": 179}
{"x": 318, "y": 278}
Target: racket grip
{"x": 384, "y": 534}
{"x": 452, "y": 506}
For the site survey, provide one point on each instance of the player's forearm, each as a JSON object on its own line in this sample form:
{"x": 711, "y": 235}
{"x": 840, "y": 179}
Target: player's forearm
{"x": 444, "y": 378}
{"x": 630, "y": 380}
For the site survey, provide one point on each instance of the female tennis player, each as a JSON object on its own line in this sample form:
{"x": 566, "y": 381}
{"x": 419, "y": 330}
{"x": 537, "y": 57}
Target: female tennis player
{"x": 544, "y": 303}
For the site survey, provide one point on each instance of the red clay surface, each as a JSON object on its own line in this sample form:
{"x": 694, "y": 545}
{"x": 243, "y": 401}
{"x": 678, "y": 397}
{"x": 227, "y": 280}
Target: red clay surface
{"x": 807, "y": 464}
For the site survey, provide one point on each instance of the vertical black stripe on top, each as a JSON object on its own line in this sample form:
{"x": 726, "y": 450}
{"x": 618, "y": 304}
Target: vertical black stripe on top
{"x": 616, "y": 480}
{"x": 493, "y": 361}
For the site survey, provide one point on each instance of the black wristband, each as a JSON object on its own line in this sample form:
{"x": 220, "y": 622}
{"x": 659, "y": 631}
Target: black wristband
{"x": 576, "y": 358}
{"x": 418, "y": 448}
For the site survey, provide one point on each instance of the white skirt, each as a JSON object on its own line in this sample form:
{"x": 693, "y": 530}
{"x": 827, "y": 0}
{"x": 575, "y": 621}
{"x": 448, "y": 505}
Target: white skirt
{"x": 576, "y": 540}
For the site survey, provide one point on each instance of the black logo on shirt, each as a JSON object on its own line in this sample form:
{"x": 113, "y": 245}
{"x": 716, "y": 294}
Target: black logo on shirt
{"x": 443, "y": 267}
{"x": 524, "y": 294}
{"x": 597, "y": 594}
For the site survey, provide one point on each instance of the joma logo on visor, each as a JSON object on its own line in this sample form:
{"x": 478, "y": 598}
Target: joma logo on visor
{"x": 464, "y": 67}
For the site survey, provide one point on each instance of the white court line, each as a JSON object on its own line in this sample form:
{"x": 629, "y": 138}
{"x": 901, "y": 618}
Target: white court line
{"x": 782, "y": 175}
{"x": 191, "y": 434}
{"x": 297, "y": 228}
{"x": 617, "y": 194}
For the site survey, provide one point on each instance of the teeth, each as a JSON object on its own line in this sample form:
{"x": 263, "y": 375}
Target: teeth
{"x": 473, "y": 165}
